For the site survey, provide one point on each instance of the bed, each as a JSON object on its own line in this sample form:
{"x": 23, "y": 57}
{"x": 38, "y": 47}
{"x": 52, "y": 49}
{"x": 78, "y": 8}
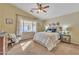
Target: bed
{"x": 47, "y": 39}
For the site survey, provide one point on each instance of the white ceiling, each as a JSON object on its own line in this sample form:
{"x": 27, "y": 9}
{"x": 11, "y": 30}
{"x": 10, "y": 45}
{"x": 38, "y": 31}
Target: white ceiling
{"x": 55, "y": 9}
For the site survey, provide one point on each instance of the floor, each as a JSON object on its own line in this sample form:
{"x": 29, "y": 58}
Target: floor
{"x": 29, "y": 47}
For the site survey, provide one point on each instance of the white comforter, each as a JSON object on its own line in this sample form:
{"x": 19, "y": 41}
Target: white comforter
{"x": 47, "y": 39}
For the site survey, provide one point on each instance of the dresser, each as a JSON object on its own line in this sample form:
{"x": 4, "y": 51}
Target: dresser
{"x": 3, "y": 45}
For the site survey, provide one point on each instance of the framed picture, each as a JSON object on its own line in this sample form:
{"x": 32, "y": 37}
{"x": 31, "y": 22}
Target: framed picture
{"x": 9, "y": 21}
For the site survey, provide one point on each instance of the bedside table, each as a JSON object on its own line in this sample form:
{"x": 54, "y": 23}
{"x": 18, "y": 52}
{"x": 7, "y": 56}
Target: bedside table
{"x": 66, "y": 38}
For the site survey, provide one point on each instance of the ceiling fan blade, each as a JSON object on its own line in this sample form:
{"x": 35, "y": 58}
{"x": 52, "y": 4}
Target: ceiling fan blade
{"x": 31, "y": 11}
{"x": 34, "y": 8}
{"x": 38, "y": 4}
{"x": 44, "y": 11}
{"x": 45, "y": 7}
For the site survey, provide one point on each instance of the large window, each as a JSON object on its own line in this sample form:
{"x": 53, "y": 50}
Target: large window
{"x": 27, "y": 26}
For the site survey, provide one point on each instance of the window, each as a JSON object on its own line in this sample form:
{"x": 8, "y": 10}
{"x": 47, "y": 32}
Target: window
{"x": 27, "y": 26}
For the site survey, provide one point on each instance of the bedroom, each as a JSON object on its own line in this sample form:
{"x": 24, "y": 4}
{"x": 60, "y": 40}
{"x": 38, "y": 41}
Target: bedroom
{"x": 18, "y": 19}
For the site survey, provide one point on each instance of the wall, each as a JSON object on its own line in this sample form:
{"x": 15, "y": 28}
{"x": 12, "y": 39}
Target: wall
{"x": 9, "y": 11}
{"x": 71, "y": 20}
{"x": 40, "y": 26}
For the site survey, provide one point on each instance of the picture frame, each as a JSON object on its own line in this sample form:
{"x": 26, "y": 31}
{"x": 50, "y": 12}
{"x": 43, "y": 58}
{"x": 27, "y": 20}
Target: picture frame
{"x": 9, "y": 21}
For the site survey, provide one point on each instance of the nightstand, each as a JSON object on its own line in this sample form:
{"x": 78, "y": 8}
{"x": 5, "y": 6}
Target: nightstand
{"x": 66, "y": 38}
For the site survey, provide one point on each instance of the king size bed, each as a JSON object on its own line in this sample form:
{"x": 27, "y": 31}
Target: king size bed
{"x": 47, "y": 39}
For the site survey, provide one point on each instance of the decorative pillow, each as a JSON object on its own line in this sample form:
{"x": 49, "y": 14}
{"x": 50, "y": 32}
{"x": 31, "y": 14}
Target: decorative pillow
{"x": 53, "y": 30}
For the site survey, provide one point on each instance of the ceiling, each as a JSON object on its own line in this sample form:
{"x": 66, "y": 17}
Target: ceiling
{"x": 55, "y": 9}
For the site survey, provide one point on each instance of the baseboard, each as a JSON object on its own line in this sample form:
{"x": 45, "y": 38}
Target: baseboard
{"x": 75, "y": 44}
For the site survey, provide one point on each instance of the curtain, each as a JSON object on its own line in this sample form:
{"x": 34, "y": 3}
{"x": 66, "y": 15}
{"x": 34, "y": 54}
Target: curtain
{"x": 25, "y": 25}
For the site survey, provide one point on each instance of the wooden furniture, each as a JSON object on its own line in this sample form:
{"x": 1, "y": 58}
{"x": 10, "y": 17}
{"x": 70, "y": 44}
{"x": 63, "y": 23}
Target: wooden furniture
{"x": 66, "y": 38}
{"x": 1, "y": 45}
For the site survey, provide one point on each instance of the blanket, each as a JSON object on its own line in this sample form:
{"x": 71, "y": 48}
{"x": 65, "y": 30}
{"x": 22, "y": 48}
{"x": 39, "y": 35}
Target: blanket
{"x": 47, "y": 39}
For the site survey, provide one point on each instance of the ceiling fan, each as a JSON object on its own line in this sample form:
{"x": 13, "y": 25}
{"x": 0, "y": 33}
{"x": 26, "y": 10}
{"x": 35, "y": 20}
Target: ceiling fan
{"x": 40, "y": 8}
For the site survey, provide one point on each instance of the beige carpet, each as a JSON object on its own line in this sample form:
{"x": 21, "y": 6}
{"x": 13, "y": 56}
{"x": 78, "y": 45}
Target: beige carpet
{"x": 33, "y": 48}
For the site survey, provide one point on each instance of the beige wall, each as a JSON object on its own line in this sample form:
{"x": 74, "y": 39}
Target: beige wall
{"x": 9, "y": 11}
{"x": 71, "y": 20}
{"x": 40, "y": 26}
